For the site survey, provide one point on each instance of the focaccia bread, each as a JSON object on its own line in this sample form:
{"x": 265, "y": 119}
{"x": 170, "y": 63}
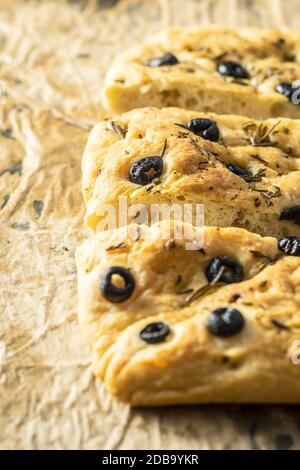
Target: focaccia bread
{"x": 248, "y": 72}
{"x": 245, "y": 172}
{"x": 168, "y": 325}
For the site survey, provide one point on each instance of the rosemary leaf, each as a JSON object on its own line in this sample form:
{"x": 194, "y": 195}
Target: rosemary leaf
{"x": 119, "y": 130}
{"x": 260, "y": 135}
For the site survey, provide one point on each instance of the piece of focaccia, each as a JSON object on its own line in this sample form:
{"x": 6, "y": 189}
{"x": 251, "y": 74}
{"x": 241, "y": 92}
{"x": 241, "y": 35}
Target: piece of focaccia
{"x": 248, "y": 72}
{"x": 168, "y": 325}
{"x": 244, "y": 172}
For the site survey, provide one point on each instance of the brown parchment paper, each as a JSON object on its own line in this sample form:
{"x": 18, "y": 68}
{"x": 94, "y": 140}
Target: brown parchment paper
{"x": 53, "y": 56}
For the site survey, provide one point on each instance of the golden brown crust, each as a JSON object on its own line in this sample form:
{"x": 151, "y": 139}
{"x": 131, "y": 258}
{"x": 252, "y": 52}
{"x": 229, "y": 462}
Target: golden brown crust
{"x": 194, "y": 169}
{"x": 192, "y": 365}
{"x": 269, "y": 56}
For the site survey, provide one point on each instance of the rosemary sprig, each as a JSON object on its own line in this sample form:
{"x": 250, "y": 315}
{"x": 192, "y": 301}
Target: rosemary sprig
{"x": 260, "y": 135}
{"x": 255, "y": 178}
{"x": 117, "y": 129}
{"x": 279, "y": 325}
{"x": 269, "y": 194}
{"x": 182, "y": 135}
{"x": 164, "y": 148}
{"x": 239, "y": 81}
{"x": 204, "y": 290}
{"x": 181, "y": 125}
{"x": 185, "y": 291}
{"x": 267, "y": 260}
{"x": 218, "y": 276}
{"x": 116, "y": 247}
{"x": 260, "y": 159}
{"x": 259, "y": 254}
{"x": 201, "y": 149}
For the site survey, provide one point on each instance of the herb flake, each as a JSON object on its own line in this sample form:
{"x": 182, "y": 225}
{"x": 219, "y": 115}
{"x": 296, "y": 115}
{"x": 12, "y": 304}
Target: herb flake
{"x": 260, "y": 135}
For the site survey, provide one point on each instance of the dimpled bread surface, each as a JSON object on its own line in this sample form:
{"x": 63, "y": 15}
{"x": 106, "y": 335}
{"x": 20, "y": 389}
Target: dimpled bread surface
{"x": 191, "y": 365}
{"x": 195, "y": 169}
{"x": 270, "y": 57}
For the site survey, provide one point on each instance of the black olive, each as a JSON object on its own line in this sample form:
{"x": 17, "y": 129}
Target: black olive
{"x": 146, "y": 170}
{"x": 225, "y": 321}
{"x": 232, "y": 270}
{"x": 292, "y": 213}
{"x": 112, "y": 292}
{"x": 286, "y": 89}
{"x": 167, "y": 59}
{"x": 237, "y": 170}
{"x": 155, "y": 332}
{"x": 232, "y": 69}
{"x": 290, "y": 245}
{"x": 206, "y": 128}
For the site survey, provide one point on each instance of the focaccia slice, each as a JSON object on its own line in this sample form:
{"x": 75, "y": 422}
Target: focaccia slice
{"x": 247, "y": 72}
{"x": 168, "y": 325}
{"x": 244, "y": 172}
